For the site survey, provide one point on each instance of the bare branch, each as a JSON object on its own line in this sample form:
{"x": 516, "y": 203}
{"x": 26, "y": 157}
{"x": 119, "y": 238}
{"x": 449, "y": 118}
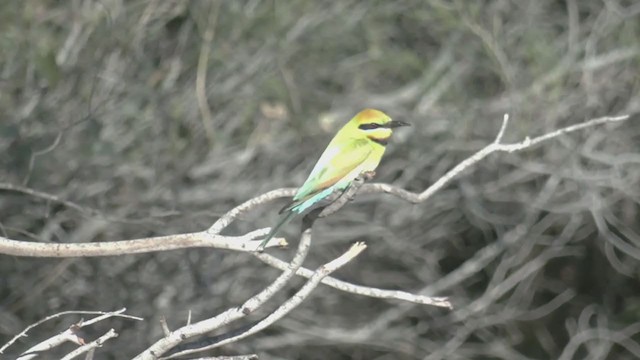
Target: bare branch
{"x": 92, "y": 345}
{"x": 503, "y": 128}
{"x": 359, "y": 289}
{"x": 293, "y": 302}
{"x": 137, "y": 246}
{"x": 117, "y": 313}
{"x": 176, "y": 337}
{"x": 71, "y": 334}
{"x": 495, "y": 146}
{"x": 248, "y": 205}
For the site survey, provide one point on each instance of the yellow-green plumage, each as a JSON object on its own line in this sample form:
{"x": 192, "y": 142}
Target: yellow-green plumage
{"x": 358, "y": 147}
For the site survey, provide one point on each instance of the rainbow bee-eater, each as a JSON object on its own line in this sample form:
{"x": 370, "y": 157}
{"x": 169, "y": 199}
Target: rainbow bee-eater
{"x": 356, "y": 149}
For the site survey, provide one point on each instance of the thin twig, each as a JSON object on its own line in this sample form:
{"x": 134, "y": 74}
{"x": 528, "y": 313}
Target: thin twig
{"x": 71, "y": 334}
{"x": 35, "y": 154}
{"x": 84, "y": 210}
{"x": 43, "y": 195}
{"x": 92, "y": 345}
{"x": 201, "y": 75}
{"x": 359, "y": 289}
{"x": 503, "y": 128}
{"x": 117, "y": 313}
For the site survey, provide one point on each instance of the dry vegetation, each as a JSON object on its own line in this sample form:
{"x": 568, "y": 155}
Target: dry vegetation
{"x": 156, "y": 117}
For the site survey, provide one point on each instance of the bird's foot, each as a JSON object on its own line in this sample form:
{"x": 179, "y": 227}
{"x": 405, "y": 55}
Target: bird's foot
{"x": 368, "y": 175}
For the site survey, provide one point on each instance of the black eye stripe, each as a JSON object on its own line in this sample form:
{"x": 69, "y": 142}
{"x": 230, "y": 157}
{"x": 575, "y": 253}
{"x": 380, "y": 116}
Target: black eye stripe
{"x": 369, "y": 126}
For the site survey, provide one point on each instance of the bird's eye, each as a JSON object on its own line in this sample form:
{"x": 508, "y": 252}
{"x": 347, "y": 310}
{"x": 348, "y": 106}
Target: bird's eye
{"x": 369, "y": 126}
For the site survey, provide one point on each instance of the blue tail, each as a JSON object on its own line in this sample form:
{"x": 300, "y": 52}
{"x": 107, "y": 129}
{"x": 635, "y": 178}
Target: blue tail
{"x": 274, "y": 230}
{"x": 297, "y": 207}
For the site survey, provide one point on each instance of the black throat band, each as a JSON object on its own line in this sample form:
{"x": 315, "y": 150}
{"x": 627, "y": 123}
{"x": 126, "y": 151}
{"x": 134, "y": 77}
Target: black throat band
{"x": 382, "y": 142}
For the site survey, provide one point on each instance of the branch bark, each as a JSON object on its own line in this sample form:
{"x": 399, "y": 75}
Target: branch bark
{"x": 176, "y": 337}
{"x": 290, "y": 304}
{"x": 137, "y": 246}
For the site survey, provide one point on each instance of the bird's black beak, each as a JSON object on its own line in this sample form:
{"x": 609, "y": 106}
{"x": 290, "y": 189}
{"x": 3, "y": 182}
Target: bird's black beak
{"x": 394, "y": 124}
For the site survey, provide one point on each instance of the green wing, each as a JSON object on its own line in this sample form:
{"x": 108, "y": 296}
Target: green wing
{"x": 336, "y": 162}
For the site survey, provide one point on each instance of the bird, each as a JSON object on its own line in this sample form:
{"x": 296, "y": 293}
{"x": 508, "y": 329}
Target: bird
{"x": 356, "y": 148}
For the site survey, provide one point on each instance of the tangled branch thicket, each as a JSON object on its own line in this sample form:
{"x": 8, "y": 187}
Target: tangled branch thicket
{"x": 138, "y": 119}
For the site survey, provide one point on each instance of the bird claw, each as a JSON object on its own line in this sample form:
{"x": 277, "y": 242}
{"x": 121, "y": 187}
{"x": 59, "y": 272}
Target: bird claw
{"x": 368, "y": 175}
